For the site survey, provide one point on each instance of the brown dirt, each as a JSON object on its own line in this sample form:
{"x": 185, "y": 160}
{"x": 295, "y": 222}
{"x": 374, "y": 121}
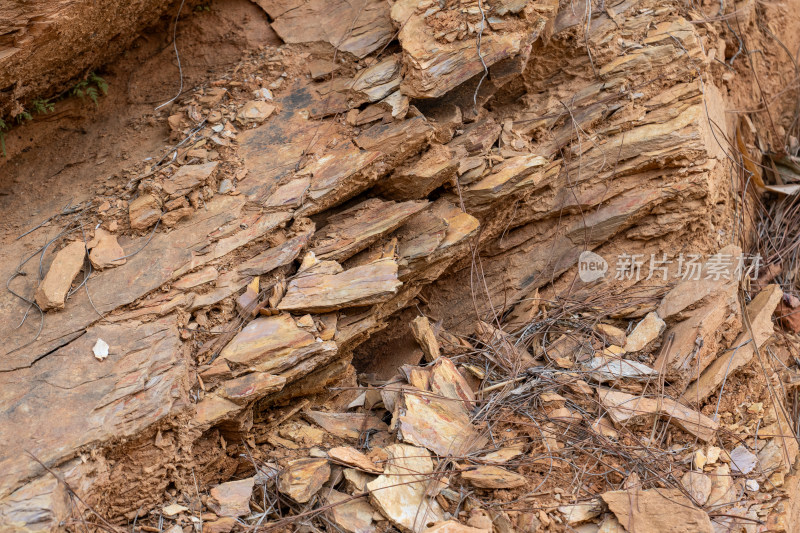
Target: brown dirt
{"x": 79, "y": 151}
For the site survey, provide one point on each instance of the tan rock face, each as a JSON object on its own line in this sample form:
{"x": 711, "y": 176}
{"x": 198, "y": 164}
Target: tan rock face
{"x": 104, "y": 250}
{"x": 361, "y": 285}
{"x": 624, "y": 408}
{"x": 658, "y": 510}
{"x": 644, "y": 333}
{"x": 52, "y": 291}
{"x": 354, "y": 516}
{"x": 144, "y": 211}
{"x": 303, "y": 478}
{"x": 357, "y": 29}
{"x": 493, "y": 477}
{"x": 232, "y": 498}
{"x": 355, "y": 229}
{"x": 400, "y": 493}
{"x": 254, "y": 385}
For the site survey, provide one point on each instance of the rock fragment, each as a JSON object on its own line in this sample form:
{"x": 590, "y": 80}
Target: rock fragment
{"x": 52, "y": 291}
{"x": 254, "y": 111}
{"x": 347, "y": 425}
{"x": 144, "y": 211}
{"x": 303, "y": 478}
{"x": 347, "y": 455}
{"x": 698, "y": 485}
{"x": 362, "y": 285}
{"x": 425, "y": 337}
{"x": 401, "y": 492}
{"x": 104, "y": 250}
{"x": 354, "y": 516}
{"x": 625, "y": 408}
{"x": 577, "y": 513}
{"x": 657, "y": 510}
{"x": 232, "y": 498}
{"x": 493, "y": 477}
{"x": 743, "y": 461}
{"x": 645, "y": 332}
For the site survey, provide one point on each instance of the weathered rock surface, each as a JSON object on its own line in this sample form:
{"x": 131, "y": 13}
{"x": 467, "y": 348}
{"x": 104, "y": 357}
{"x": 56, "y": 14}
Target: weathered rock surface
{"x": 667, "y": 510}
{"x": 401, "y": 492}
{"x": 759, "y": 317}
{"x": 624, "y": 408}
{"x": 493, "y": 477}
{"x": 232, "y": 498}
{"x": 303, "y": 478}
{"x": 67, "y": 263}
{"x": 362, "y": 285}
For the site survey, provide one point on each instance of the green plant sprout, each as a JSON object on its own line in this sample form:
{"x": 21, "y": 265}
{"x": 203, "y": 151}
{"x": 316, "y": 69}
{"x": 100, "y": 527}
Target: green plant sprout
{"x": 88, "y": 88}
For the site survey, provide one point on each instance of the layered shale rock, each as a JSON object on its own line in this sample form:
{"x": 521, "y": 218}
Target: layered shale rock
{"x": 522, "y": 157}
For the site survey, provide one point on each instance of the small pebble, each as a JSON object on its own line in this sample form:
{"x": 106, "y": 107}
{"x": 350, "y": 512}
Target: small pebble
{"x": 225, "y": 186}
{"x": 752, "y": 485}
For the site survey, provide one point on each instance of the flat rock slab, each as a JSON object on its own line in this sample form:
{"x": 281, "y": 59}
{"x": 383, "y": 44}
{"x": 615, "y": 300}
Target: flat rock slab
{"x": 303, "y": 478}
{"x": 165, "y": 257}
{"x": 355, "y": 27}
{"x": 628, "y": 408}
{"x": 362, "y": 285}
{"x": 645, "y": 332}
{"x": 351, "y": 515}
{"x": 400, "y": 493}
{"x": 493, "y": 477}
{"x": 69, "y": 399}
{"x": 355, "y": 229}
{"x": 52, "y": 291}
{"x": 657, "y": 510}
{"x": 232, "y": 498}
{"x": 347, "y": 425}
{"x": 439, "y": 424}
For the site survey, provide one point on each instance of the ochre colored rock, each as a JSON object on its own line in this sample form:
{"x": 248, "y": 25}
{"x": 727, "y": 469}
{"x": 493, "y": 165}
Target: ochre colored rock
{"x": 52, "y": 291}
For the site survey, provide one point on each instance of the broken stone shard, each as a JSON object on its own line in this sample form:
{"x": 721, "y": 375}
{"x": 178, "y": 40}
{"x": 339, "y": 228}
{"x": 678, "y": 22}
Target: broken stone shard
{"x": 401, "y": 492}
{"x": 144, "y": 211}
{"x": 52, "y": 291}
{"x": 493, "y": 477}
{"x": 661, "y": 510}
{"x": 362, "y": 285}
{"x": 352, "y": 515}
{"x": 104, "y": 250}
{"x": 578, "y": 513}
{"x": 425, "y": 337}
{"x": 347, "y": 425}
{"x": 188, "y": 178}
{"x": 644, "y": 333}
{"x": 759, "y": 315}
{"x": 628, "y": 408}
{"x": 232, "y": 498}
{"x": 100, "y": 349}
{"x": 254, "y": 111}
{"x": 743, "y": 460}
{"x": 303, "y": 478}
{"x": 349, "y": 456}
